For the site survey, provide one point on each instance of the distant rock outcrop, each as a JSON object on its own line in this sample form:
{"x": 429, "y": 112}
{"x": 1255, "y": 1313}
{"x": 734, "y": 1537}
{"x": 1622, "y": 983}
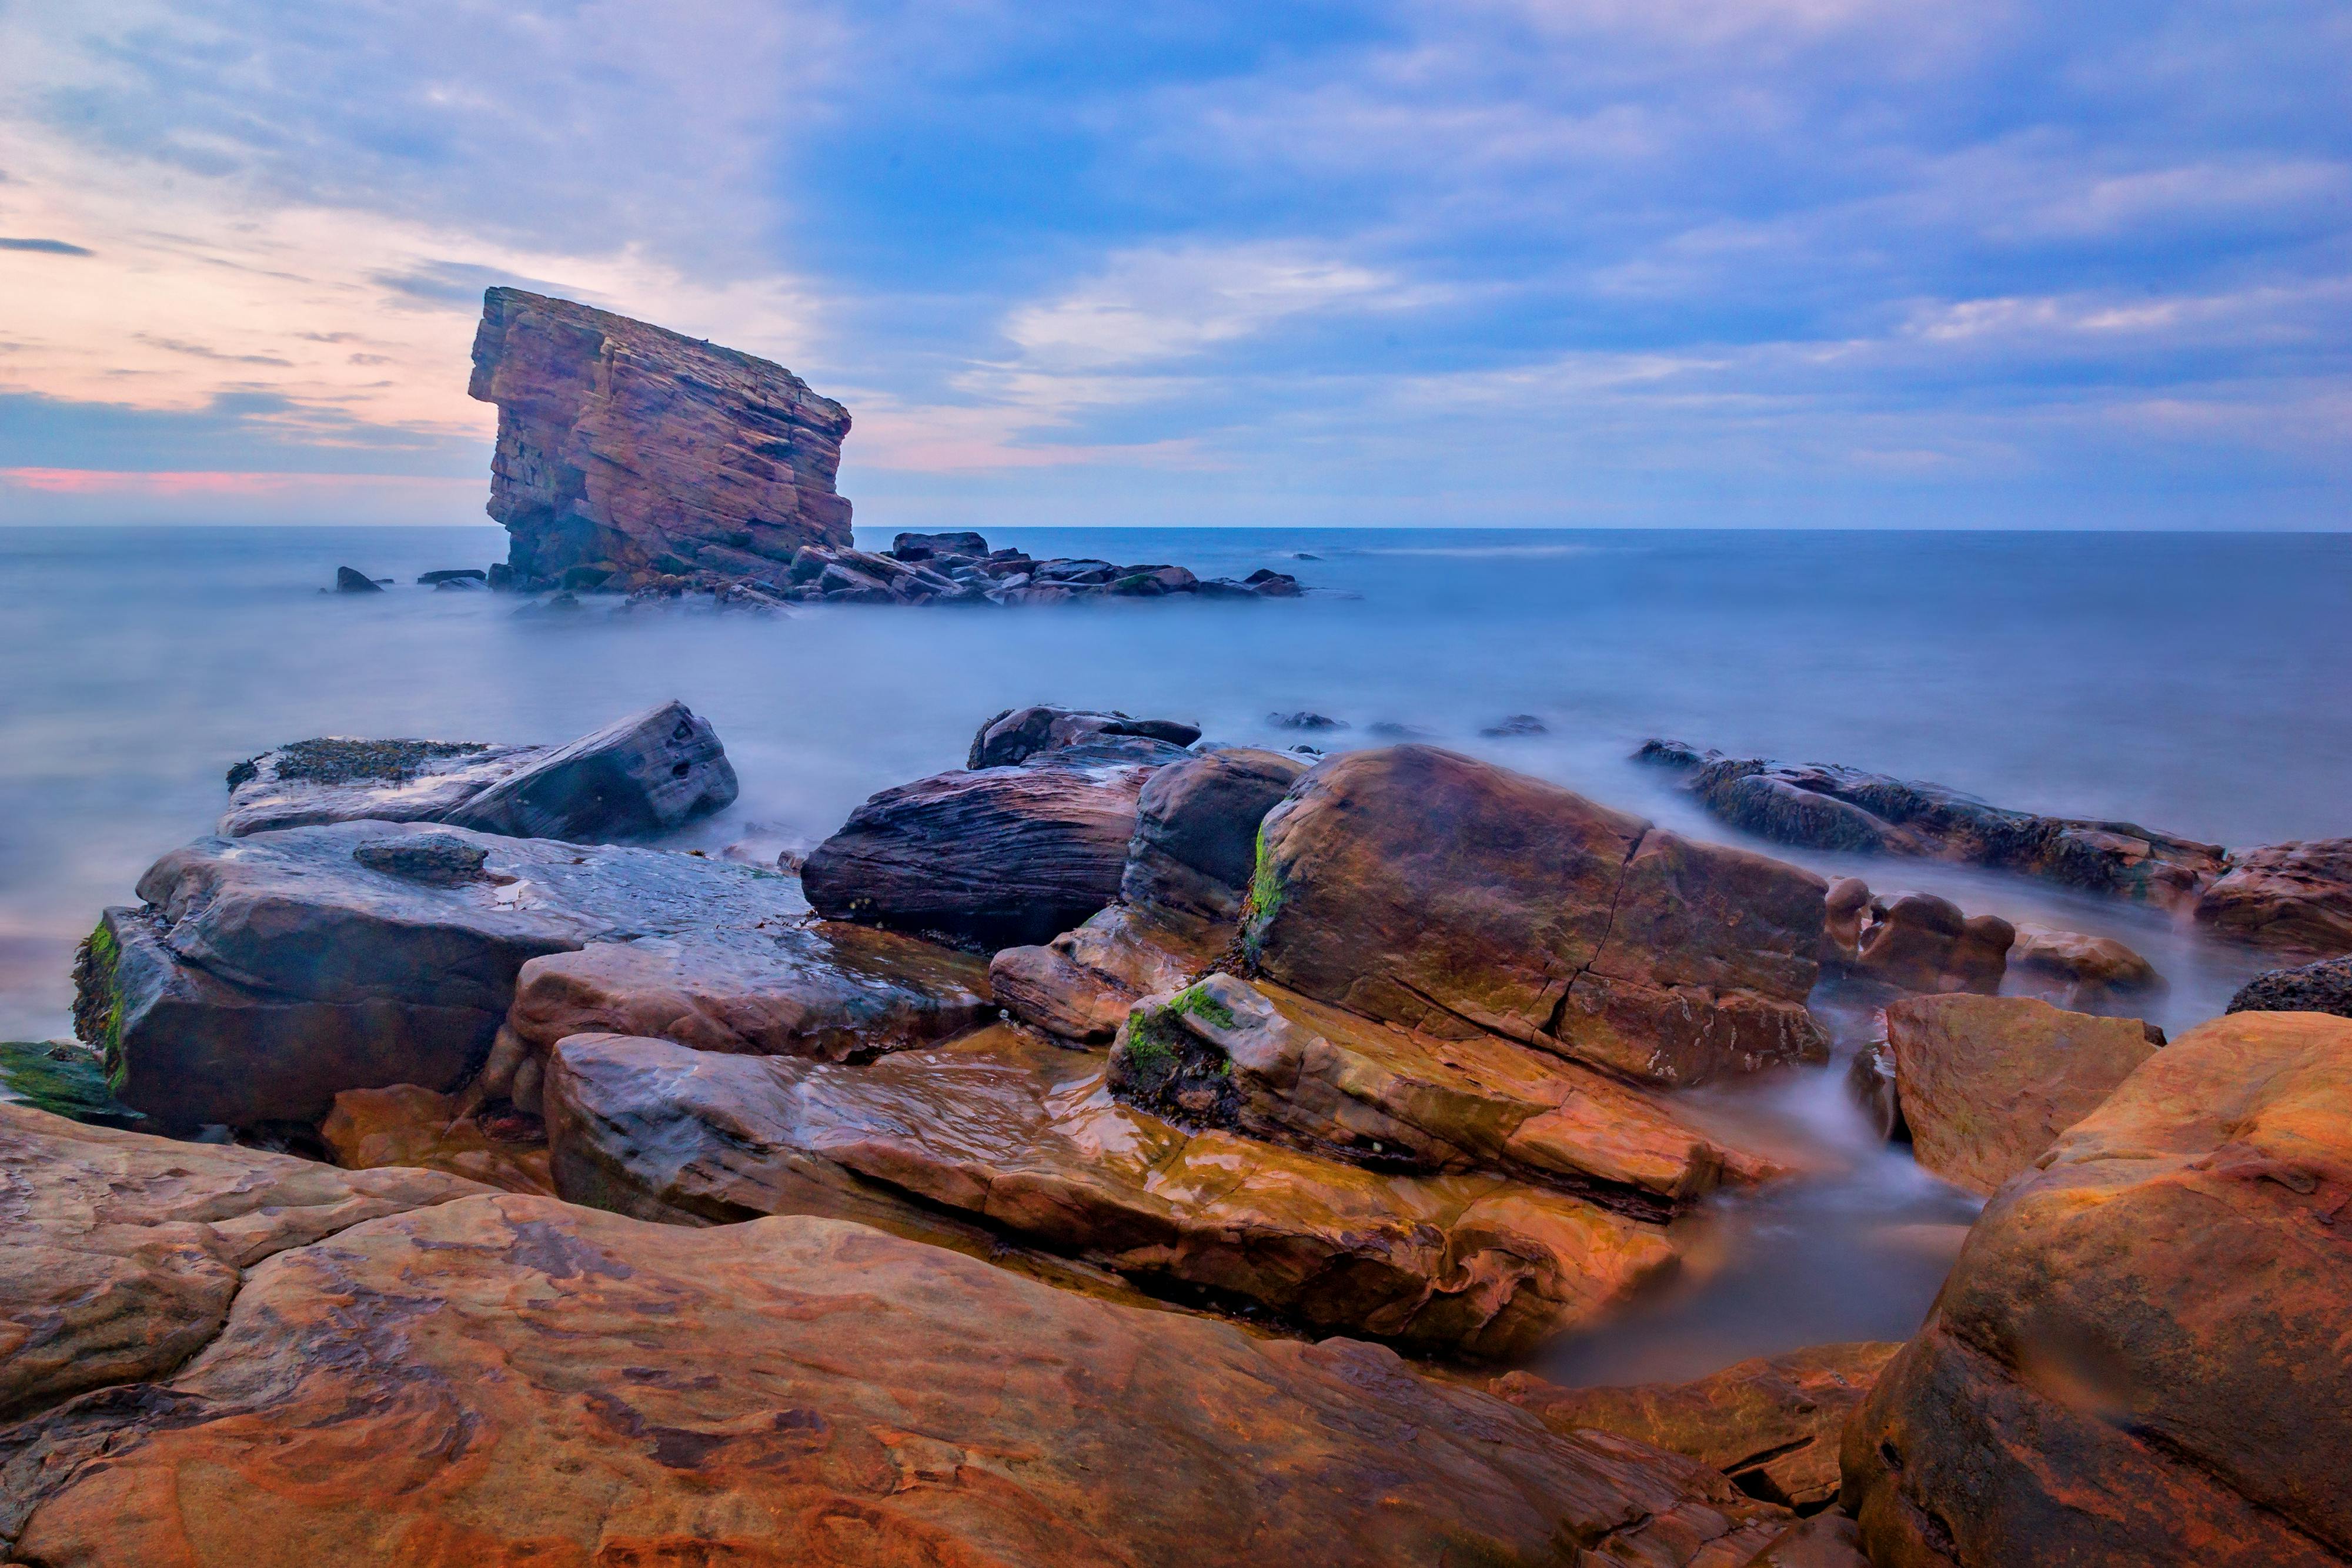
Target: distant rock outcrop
{"x": 627, "y": 446}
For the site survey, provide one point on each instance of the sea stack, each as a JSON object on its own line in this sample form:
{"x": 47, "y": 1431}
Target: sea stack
{"x": 626, "y": 447}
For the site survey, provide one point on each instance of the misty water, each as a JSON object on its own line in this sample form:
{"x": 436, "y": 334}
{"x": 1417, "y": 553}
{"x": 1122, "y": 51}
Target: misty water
{"x": 2195, "y": 683}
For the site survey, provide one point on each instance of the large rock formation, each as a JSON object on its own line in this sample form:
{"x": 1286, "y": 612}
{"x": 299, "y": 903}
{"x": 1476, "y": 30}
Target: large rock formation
{"x": 1003, "y": 1130}
{"x": 506, "y": 1379}
{"x": 2140, "y": 1357}
{"x": 1987, "y": 1083}
{"x": 1421, "y": 887}
{"x": 1827, "y": 806}
{"x": 1771, "y": 1423}
{"x": 627, "y": 444}
{"x": 2296, "y": 897}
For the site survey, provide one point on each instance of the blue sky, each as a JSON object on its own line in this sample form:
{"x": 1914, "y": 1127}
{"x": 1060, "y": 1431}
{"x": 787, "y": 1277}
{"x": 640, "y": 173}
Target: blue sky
{"x": 1489, "y": 262}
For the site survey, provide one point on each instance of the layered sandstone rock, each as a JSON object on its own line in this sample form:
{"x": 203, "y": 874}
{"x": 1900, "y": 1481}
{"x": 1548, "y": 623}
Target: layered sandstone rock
{"x": 2139, "y": 1356}
{"x": 1004, "y": 1130}
{"x": 624, "y": 444}
{"x": 1771, "y": 1423}
{"x": 2082, "y": 973}
{"x": 2296, "y": 897}
{"x": 479, "y": 1383}
{"x": 996, "y": 857}
{"x": 1420, "y": 887}
{"x": 1836, "y": 808}
{"x": 643, "y": 775}
{"x": 1082, "y": 984}
{"x": 2322, "y": 988}
{"x": 1987, "y": 1083}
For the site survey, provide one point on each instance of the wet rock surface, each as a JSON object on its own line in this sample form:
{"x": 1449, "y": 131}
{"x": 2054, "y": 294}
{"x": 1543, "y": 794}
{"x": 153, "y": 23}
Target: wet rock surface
{"x": 2139, "y": 1356}
{"x": 369, "y": 1129}
{"x": 1829, "y": 807}
{"x": 1918, "y": 942}
{"x": 1424, "y": 888}
{"x": 1986, "y": 1084}
{"x": 2294, "y": 897}
{"x": 2322, "y": 988}
{"x": 1772, "y": 1424}
{"x": 1006, "y": 1131}
{"x": 2082, "y": 973}
{"x": 476, "y": 1382}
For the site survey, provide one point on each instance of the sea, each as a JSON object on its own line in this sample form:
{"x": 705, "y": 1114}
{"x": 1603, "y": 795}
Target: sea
{"x": 2200, "y": 684}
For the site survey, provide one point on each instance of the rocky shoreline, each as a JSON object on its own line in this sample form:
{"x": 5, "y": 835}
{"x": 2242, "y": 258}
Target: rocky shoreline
{"x": 1128, "y": 1148}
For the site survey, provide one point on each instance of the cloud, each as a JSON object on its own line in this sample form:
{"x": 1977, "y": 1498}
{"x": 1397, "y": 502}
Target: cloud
{"x": 44, "y": 247}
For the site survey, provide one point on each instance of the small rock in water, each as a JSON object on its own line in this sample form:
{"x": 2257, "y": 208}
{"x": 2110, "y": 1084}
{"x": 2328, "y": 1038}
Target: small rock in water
{"x": 442, "y": 860}
{"x": 469, "y": 584}
{"x": 454, "y": 574}
{"x": 1517, "y": 724}
{"x": 1302, "y": 719}
{"x": 347, "y": 581}
{"x": 1389, "y": 729}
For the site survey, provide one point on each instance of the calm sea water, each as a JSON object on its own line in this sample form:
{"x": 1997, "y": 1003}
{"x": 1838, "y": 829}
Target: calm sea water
{"x": 2200, "y": 684}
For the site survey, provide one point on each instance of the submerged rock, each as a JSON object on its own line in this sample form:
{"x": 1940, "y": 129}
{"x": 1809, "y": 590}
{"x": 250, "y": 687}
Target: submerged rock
{"x": 2296, "y": 897}
{"x": 1424, "y": 888}
{"x": 1835, "y": 808}
{"x": 482, "y": 1383}
{"x": 2139, "y": 1356}
{"x": 405, "y": 1125}
{"x": 1016, "y": 735}
{"x": 1771, "y": 1423}
{"x": 2322, "y": 988}
{"x": 625, "y": 447}
{"x": 1005, "y": 1130}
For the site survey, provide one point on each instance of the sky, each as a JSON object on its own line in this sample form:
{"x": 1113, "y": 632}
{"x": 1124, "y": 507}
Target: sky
{"x": 1482, "y": 263}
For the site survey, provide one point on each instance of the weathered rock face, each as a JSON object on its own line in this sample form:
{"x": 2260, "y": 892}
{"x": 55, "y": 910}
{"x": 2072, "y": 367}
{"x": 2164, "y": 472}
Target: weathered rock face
{"x": 2296, "y": 897}
{"x": 2081, "y": 973}
{"x": 2322, "y": 988}
{"x": 268, "y": 974}
{"x": 124, "y": 1251}
{"x": 1272, "y": 1064}
{"x": 1771, "y": 1424}
{"x": 404, "y": 1125}
{"x": 1004, "y": 1130}
{"x": 645, "y": 775}
{"x": 2139, "y": 1356}
{"x": 1987, "y": 1083}
{"x": 998, "y": 857}
{"x": 1834, "y": 807}
{"x": 477, "y": 1384}
{"x": 1016, "y": 735}
{"x": 1424, "y": 888}
{"x": 624, "y": 445}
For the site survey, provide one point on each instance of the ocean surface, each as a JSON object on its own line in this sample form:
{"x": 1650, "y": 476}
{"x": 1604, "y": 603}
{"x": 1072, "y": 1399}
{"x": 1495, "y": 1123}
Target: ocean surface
{"x": 2198, "y": 684}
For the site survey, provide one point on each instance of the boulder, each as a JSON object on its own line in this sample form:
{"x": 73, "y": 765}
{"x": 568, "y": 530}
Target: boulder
{"x": 125, "y": 1251}
{"x": 2322, "y": 988}
{"x": 1771, "y": 1423}
{"x": 993, "y": 857}
{"x": 1921, "y": 943}
{"x": 1848, "y": 910}
{"x": 405, "y": 1125}
{"x": 924, "y": 547}
{"x": 2081, "y": 973}
{"x": 2295, "y": 897}
{"x": 2140, "y": 1357}
{"x": 507, "y": 1379}
{"x": 1987, "y": 1083}
{"x": 625, "y": 446}
{"x": 463, "y": 574}
{"x": 1302, "y": 719}
{"x": 1272, "y": 1064}
{"x": 1018, "y": 734}
{"x": 1835, "y": 808}
{"x": 266, "y": 975}
{"x": 1823, "y": 1541}
{"x": 349, "y": 580}
{"x": 1082, "y": 984}
{"x": 1004, "y": 1130}
{"x": 643, "y": 775}
{"x": 1153, "y": 582}
{"x": 1424, "y": 888}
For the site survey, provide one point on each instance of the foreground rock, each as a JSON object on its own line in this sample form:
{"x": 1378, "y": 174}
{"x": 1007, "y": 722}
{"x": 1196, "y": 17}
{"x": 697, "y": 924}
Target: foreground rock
{"x": 644, "y": 775}
{"x": 2295, "y": 897}
{"x": 1987, "y": 1083}
{"x": 1771, "y": 1423}
{"x": 124, "y": 1251}
{"x": 268, "y": 974}
{"x": 2322, "y": 988}
{"x": 625, "y": 446}
{"x": 2081, "y": 973}
{"x": 477, "y": 1384}
{"x": 1424, "y": 888}
{"x": 2139, "y": 1356}
{"x": 1004, "y": 1131}
{"x": 994, "y": 857}
{"x": 1834, "y": 807}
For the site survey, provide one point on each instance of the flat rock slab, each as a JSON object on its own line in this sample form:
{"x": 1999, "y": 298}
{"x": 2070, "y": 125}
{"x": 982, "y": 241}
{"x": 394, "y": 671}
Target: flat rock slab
{"x": 336, "y": 780}
{"x": 1006, "y": 1130}
{"x": 511, "y": 1379}
{"x": 2140, "y": 1355}
{"x": 1987, "y": 1083}
{"x": 124, "y": 1251}
{"x": 268, "y": 974}
{"x": 1771, "y": 1423}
